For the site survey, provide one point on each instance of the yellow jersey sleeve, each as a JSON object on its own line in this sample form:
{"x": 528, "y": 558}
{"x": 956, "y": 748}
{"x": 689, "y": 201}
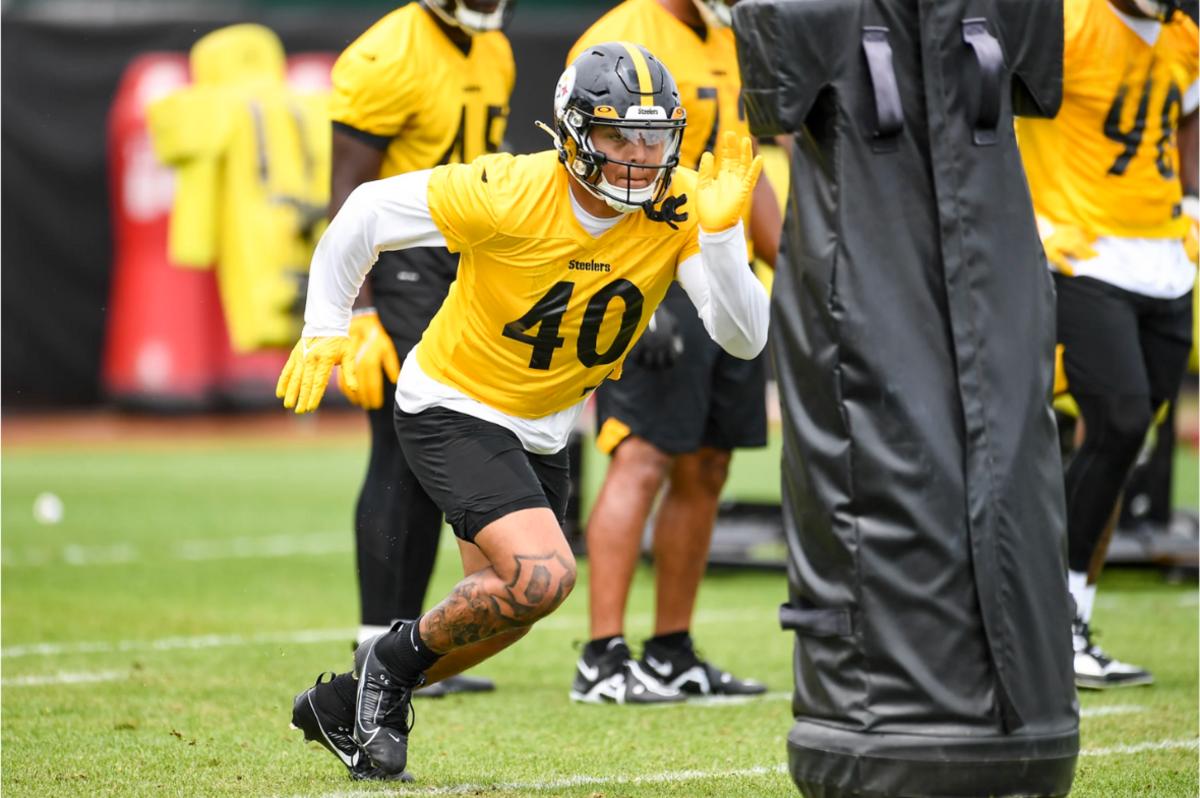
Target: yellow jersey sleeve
{"x": 373, "y": 91}
{"x": 461, "y": 202}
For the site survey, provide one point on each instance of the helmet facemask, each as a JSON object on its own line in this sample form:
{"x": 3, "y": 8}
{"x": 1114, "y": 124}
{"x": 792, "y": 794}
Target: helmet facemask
{"x": 656, "y": 141}
{"x": 457, "y": 14}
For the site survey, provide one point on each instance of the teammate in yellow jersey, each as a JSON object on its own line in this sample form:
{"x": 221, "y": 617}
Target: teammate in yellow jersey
{"x": 1107, "y": 181}
{"x": 427, "y": 84}
{"x": 564, "y": 255}
{"x": 681, "y": 407}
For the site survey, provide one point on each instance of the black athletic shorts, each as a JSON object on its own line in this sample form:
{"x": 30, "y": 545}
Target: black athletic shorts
{"x": 476, "y": 471}
{"x": 1118, "y": 343}
{"x": 708, "y": 398}
{"x": 409, "y": 287}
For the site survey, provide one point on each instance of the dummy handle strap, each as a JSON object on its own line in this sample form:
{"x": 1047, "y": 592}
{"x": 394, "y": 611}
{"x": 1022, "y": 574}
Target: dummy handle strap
{"x": 990, "y": 60}
{"x": 889, "y": 114}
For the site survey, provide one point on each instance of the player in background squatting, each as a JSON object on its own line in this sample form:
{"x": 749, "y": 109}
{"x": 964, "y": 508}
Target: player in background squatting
{"x": 1107, "y": 186}
{"x": 487, "y": 399}
{"x": 681, "y": 407}
{"x": 428, "y": 84}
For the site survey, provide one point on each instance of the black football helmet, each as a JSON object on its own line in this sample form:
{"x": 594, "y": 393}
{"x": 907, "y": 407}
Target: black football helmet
{"x": 622, "y": 86}
{"x": 467, "y": 14}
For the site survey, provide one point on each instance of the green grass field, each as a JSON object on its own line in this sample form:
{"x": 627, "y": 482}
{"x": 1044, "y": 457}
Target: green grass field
{"x": 153, "y": 640}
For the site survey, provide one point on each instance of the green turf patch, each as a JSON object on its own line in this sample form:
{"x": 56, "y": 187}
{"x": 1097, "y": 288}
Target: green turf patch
{"x": 154, "y": 638}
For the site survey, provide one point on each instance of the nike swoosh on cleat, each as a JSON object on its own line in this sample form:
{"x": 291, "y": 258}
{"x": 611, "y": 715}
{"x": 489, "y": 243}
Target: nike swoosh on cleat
{"x": 349, "y": 761}
{"x": 589, "y": 672}
{"x": 394, "y": 737}
{"x": 663, "y": 668}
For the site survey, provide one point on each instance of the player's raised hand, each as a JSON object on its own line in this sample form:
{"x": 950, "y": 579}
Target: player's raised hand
{"x": 373, "y": 356}
{"x": 303, "y": 379}
{"x": 724, "y": 188}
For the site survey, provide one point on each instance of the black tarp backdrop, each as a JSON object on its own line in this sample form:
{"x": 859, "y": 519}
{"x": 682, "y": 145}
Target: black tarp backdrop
{"x": 912, "y": 326}
{"x": 57, "y": 79}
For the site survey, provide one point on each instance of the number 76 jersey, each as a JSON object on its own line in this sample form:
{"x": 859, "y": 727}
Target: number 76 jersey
{"x": 541, "y": 312}
{"x": 1108, "y": 162}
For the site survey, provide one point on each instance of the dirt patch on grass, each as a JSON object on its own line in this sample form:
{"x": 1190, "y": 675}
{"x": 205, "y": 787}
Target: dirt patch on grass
{"x": 110, "y": 427}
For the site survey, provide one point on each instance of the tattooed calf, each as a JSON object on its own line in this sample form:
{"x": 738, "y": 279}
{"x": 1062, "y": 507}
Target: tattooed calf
{"x": 482, "y": 604}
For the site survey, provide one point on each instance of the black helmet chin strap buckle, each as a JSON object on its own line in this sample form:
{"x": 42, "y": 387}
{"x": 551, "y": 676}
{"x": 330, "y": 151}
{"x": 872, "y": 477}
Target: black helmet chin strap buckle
{"x": 668, "y": 212}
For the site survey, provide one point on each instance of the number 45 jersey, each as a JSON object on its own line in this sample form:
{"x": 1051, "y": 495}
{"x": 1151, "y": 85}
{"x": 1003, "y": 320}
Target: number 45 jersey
{"x": 542, "y": 312}
{"x": 403, "y": 87}
{"x": 1108, "y": 162}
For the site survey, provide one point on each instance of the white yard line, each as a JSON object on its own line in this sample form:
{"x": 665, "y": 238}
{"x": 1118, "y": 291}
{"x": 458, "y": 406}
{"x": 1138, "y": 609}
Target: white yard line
{"x": 273, "y": 546}
{"x": 1137, "y": 748}
{"x": 681, "y": 776}
{"x": 63, "y": 678}
{"x": 301, "y": 637}
{"x": 1115, "y": 709}
{"x": 670, "y": 777}
{"x": 307, "y": 636}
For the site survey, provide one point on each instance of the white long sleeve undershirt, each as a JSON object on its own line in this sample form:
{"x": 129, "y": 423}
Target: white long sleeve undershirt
{"x": 393, "y": 213}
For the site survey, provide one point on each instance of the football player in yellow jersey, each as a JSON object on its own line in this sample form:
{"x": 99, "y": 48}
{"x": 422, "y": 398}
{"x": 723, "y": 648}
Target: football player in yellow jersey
{"x": 427, "y": 84}
{"x": 1107, "y": 183}
{"x": 564, "y": 256}
{"x": 681, "y": 407}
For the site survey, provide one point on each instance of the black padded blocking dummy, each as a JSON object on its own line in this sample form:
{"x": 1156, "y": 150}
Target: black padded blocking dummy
{"x": 913, "y": 335}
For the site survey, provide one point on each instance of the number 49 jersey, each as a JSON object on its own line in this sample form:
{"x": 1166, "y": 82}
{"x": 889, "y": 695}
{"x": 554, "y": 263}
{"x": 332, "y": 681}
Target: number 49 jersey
{"x": 541, "y": 312}
{"x": 406, "y": 89}
{"x": 1108, "y": 162}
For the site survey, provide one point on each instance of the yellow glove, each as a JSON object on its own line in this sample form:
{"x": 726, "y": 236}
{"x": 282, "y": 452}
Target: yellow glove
{"x": 723, "y": 192}
{"x": 374, "y": 355}
{"x": 306, "y": 373}
{"x": 1065, "y": 241}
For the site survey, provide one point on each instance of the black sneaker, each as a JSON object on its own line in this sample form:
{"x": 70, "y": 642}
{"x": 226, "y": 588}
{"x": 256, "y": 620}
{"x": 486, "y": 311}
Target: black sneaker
{"x": 325, "y": 718}
{"x": 459, "y": 683}
{"x": 383, "y": 714}
{"x": 1095, "y": 670}
{"x": 681, "y": 668}
{"x": 615, "y": 677}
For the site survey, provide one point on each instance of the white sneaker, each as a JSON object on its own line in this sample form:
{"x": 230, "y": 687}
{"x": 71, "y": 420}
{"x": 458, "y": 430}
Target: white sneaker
{"x": 1095, "y": 670}
{"x": 615, "y": 677}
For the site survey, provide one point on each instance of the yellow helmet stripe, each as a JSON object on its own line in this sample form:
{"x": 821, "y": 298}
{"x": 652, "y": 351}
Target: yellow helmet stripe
{"x": 645, "y": 84}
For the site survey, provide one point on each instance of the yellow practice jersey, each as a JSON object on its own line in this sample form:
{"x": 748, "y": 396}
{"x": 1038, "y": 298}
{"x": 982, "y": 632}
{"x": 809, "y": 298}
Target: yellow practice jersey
{"x": 406, "y": 87}
{"x": 1108, "y": 162}
{"x": 705, "y": 70}
{"x": 541, "y": 312}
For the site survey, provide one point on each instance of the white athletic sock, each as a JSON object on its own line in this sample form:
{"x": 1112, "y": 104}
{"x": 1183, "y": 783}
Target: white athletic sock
{"x": 1089, "y": 599}
{"x": 1077, "y": 584}
{"x": 366, "y": 632}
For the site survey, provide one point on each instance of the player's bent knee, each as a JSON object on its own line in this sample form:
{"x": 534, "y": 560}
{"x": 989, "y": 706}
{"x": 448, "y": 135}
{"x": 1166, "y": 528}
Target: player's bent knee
{"x": 640, "y": 464}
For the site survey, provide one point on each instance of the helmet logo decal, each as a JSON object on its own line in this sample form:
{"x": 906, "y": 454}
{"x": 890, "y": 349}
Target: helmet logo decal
{"x": 562, "y": 91}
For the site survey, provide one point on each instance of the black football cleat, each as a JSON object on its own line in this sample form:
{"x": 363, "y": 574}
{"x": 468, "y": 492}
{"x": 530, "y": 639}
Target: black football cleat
{"x": 321, "y": 714}
{"x": 383, "y": 713}
{"x": 681, "y": 668}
